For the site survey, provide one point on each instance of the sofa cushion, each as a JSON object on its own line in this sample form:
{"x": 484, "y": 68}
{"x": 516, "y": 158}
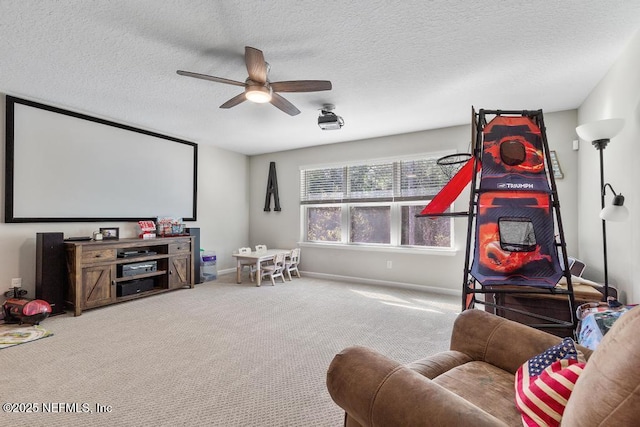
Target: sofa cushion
{"x": 485, "y": 386}
{"x": 544, "y": 383}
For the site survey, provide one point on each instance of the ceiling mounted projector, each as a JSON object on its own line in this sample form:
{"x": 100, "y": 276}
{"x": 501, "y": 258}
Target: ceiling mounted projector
{"x": 328, "y": 120}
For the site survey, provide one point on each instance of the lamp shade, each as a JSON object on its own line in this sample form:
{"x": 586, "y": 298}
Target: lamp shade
{"x": 616, "y": 211}
{"x": 601, "y": 129}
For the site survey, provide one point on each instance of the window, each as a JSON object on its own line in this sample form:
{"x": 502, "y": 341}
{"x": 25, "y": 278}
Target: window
{"x": 324, "y": 224}
{"x": 424, "y": 231}
{"x": 374, "y": 203}
{"x": 370, "y": 224}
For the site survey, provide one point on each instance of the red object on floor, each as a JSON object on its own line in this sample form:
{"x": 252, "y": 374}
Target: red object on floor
{"x": 21, "y": 310}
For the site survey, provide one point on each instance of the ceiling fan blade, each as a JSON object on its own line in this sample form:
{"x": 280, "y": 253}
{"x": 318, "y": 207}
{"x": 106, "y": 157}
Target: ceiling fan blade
{"x": 284, "y": 105}
{"x": 238, "y": 99}
{"x": 301, "y": 86}
{"x": 212, "y": 78}
{"x": 256, "y": 66}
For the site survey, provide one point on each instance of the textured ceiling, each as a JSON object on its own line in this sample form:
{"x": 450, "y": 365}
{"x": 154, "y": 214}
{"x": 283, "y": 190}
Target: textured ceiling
{"x": 396, "y": 66}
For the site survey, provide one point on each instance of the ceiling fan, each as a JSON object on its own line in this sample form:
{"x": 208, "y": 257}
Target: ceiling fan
{"x": 258, "y": 88}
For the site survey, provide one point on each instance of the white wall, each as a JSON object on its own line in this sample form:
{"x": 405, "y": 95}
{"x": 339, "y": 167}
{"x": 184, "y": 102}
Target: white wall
{"x": 223, "y": 216}
{"x": 616, "y": 96}
{"x": 561, "y": 134}
{"x": 443, "y": 272}
{"x": 223, "y": 202}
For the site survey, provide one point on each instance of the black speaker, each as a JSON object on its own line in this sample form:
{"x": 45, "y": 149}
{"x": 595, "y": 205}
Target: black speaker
{"x": 51, "y": 270}
{"x": 195, "y": 232}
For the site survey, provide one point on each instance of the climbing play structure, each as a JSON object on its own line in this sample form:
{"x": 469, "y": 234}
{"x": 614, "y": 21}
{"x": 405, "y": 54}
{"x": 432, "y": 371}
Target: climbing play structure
{"x": 515, "y": 240}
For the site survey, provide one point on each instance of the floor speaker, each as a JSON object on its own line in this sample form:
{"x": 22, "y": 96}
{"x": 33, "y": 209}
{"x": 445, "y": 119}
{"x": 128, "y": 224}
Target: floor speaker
{"x": 197, "y": 260}
{"x": 51, "y": 270}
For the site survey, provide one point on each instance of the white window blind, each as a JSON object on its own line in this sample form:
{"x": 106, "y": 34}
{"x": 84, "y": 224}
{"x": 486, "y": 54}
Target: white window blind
{"x": 420, "y": 179}
{"x": 325, "y": 185}
{"x": 412, "y": 179}
{"x": 370, "y": 183}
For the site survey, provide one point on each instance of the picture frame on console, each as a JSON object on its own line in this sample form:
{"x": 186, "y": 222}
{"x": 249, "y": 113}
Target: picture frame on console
{"x": 110, "y": 233}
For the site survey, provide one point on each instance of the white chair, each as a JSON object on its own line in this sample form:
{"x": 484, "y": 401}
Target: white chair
{"x": 243, "y": 264}
{"x": 276, "y": 269}
{"x": 263, "y": 248}
{"x": 291, "y": 264}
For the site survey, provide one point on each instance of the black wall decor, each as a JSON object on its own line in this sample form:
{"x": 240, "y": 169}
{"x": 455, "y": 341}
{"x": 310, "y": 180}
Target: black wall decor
{"x": 272, "y": 188}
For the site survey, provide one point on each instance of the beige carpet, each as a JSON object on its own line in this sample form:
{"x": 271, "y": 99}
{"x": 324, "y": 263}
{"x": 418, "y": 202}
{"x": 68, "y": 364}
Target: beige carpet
{"x": 221, "y": 354}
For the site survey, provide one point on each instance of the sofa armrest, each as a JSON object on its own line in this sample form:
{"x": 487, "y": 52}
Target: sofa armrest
{"x": 500, "y": 342}
{"x": 440, "y": 363}
{"x": 375, "y": 390}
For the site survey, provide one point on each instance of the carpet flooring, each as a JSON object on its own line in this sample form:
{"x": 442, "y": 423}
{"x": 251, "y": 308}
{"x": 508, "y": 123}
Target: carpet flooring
{"x": 222, "y": 354}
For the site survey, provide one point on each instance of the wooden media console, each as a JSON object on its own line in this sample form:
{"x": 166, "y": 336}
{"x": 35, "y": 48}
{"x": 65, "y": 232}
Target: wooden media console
{"x": 96, "y": 269}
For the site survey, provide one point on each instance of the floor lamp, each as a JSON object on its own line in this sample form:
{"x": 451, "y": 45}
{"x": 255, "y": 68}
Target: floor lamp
{"x": 599, "y": 133}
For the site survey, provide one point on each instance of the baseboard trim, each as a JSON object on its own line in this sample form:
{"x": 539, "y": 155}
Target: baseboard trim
{"x": 402, "y": 285}
{"x": 227, "y": 271}
{"x": 351, "y": 279}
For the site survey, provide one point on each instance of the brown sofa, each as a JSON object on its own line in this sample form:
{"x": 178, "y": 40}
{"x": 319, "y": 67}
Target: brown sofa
{"x": 472, "y": 384}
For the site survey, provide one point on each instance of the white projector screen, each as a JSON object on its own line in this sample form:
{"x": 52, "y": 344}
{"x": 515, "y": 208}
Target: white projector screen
{"x": 63, "y": 166}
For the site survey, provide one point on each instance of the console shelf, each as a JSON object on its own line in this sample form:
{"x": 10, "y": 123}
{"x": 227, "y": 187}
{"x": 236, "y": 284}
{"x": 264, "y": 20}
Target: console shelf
{"x": 93, "y": 269}
{"x": 143, "y": 294}
{"x": 140, "y": 276}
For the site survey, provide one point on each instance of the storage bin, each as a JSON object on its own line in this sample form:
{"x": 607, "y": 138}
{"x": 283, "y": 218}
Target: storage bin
{"x": 209, "y": 267}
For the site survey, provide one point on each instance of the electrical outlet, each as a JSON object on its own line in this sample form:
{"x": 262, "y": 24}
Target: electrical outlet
{"x": 16, "y": 283}
{"x": 389, "y": 264}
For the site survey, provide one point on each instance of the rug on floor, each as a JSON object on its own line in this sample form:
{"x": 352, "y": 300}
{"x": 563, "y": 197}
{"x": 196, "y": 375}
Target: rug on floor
{"x": 14, "y": 334}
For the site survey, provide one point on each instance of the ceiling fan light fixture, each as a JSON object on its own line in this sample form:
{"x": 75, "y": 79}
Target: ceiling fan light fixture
{"x": 257, "y": 87}
{"x": 258, "y": 94}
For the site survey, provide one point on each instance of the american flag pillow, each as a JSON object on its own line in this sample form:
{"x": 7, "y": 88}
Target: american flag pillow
{"x": 545, "y": 382}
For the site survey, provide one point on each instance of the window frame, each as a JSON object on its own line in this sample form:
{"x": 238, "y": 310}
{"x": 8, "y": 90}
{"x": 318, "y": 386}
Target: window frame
{"x": 395, "y": 204}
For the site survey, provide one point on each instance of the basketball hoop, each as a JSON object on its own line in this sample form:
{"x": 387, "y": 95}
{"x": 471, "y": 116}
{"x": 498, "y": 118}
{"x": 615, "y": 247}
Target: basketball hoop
{"x": 451, "y": 164}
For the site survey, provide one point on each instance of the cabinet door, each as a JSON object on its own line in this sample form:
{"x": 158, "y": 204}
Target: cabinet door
{"x": 97, "y": 286}
{"x": 179, "y": 271}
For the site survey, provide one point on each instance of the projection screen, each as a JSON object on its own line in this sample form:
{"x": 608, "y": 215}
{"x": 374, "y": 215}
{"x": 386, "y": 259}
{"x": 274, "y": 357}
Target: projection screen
{"x": 63, "y": 166}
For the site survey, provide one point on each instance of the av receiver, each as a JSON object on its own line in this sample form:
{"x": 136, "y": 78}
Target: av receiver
{"x": 134, "y": 287}
{"x": 133, "y": 269}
